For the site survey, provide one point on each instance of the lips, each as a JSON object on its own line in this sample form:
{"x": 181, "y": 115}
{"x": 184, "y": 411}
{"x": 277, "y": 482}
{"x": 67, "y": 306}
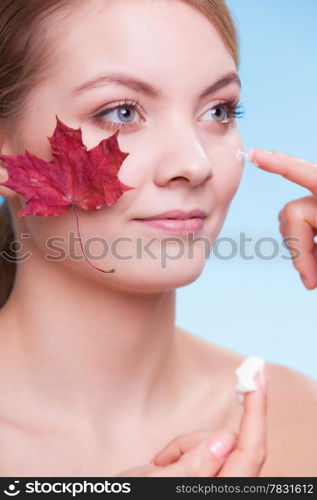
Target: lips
{"x": 176, "y": 221}
{"x": 176, "y": 214}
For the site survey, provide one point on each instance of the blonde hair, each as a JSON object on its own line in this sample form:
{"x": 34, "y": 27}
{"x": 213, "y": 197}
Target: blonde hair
{"x": 27, "y": 52}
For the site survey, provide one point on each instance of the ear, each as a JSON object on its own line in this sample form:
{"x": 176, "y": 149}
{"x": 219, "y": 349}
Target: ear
{"x": 4, "y": 149}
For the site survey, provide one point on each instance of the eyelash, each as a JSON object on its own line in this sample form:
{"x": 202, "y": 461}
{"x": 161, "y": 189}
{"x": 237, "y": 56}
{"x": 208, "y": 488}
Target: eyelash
{"x": 233, "y": 107}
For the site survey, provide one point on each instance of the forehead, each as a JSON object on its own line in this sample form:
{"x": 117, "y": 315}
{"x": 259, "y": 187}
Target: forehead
{"x": 149, "y": 38}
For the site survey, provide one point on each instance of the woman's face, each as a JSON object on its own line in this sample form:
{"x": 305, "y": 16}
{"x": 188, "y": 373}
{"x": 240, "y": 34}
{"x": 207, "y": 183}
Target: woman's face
{"x": 182, "y": 150}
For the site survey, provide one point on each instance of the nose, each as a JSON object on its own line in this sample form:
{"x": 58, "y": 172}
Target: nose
{"x": 184, "y": 158}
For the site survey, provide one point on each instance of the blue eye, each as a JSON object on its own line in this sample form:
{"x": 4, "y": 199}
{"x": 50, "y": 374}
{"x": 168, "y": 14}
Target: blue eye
{"x": 123, "y": 111}
{"x": 226, "y": 111}
{"x": 220, "y": 114}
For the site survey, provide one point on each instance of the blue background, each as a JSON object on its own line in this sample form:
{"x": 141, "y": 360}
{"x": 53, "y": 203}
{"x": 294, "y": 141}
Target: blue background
{"x": 261, "y": 306}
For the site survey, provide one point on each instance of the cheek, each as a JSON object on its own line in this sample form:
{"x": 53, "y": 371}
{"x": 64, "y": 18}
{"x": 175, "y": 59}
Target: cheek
{"x": 223, "y": 186}
{"x": 48, "y": 233}
{"x": 227, "y": 175}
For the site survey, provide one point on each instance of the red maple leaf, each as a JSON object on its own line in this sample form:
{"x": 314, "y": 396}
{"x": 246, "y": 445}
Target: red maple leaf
{"x": 75, "y": 176}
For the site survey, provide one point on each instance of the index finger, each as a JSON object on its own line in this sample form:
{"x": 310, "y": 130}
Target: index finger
{"x": 295, "y": 169}
{"x": 249, "y": 454}
{"x": 178, "y": 446}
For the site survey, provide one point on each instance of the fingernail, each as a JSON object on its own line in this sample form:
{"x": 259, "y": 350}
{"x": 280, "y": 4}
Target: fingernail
{"x": 250, "y": 157}
{"x": 221, "y": 446}
{"x": 249, "y": 154}
{"x": 263, "y": 379}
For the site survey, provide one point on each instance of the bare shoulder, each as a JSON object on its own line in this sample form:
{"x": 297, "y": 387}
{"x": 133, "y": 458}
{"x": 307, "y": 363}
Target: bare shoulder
{"x": 210, "y": 368}
{"x": 292, "y": 430}
{"x": 206, "y": 350}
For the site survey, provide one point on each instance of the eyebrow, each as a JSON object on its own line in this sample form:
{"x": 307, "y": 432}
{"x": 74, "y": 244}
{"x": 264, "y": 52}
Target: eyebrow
{"x": 148, "y": 89}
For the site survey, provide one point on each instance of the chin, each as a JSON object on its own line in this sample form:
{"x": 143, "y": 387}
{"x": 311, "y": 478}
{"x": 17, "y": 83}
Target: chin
{"x": 151, "y": 277}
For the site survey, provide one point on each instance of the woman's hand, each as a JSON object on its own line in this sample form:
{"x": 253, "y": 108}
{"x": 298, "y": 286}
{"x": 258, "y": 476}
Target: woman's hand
{"x": 298, "y": 218}
{"x": 216, "y": 454}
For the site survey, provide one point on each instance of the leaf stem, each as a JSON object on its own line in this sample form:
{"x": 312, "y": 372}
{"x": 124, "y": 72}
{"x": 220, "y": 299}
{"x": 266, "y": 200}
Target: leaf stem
{"x": 82, "y": 248}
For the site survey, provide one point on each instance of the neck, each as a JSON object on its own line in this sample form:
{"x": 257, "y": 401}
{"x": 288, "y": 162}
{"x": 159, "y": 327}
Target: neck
{"x": 88, "y": 350}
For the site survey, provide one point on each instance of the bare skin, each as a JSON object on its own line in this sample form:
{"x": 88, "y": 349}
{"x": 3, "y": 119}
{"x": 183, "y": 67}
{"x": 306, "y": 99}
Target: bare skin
{"x": 33, "y": 444}
{"x": 95, "y": 378}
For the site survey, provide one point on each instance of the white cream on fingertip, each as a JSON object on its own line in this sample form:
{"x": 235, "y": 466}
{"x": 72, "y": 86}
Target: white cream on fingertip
{"x": 243, "y": 156}
{"x": 246, "y": 373}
